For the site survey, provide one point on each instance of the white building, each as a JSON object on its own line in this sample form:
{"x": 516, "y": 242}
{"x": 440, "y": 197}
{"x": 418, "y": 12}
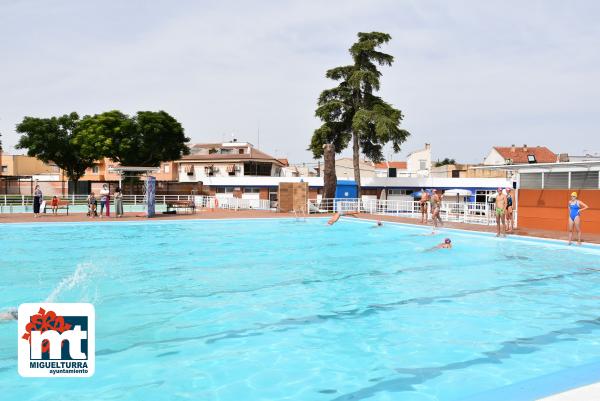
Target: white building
{"x": 344, "y": 168}
{"x": 391, "y": 169}
{"x": 228, "y": 159}
{"x": 418, "y": 163}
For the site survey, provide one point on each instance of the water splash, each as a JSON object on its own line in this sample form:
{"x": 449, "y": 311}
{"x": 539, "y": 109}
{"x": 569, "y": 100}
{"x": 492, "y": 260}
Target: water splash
{"x": 79, "y": 279}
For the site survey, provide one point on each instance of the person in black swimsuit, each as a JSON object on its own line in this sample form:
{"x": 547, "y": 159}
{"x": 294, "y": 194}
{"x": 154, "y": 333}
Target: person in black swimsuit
{"x": 510, "y": 222}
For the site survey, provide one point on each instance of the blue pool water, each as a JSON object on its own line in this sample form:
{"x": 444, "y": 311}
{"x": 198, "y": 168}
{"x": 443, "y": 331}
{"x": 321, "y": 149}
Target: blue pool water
{"x": 289, "y": 310}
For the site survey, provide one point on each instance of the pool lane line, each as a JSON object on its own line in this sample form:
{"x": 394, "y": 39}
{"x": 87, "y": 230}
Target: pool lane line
{"x": 291, "y": 323}
{"x": 517, "y": 346}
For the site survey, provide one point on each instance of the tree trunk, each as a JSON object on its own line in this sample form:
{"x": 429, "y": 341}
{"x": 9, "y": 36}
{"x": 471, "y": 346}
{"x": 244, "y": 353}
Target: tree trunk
{"x": 356, "y": 162}
{"x": 329, "y": 176}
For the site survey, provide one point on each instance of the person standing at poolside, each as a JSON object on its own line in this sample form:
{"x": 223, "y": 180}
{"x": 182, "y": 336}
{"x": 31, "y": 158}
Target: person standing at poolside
{"x": 575, "y": 208}
{"x": 118, "y": 202}
{"x": 510, "y": 221}
{"x": 424, "y": 203}
{"x": 436, "y": 204}
{"x": 500, "y": 213}
{"x": 92, "y": 205}
{"x": 104, "y": 201}
{"x": 37, "y": 201}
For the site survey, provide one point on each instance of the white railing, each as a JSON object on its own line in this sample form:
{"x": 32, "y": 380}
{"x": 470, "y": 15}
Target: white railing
{"x": 20, "y": 203}
{"x": 461, "y": 212}
{"x": 232, "y": 203}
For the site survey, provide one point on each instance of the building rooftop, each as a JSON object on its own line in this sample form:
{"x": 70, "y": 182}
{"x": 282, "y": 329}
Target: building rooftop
{"x": 523, "y": 154}
{"x": 228, "y": 151}
{"x": 391, "y": 164}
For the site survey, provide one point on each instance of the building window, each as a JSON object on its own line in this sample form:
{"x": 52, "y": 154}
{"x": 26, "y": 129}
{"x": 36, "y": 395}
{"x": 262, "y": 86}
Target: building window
{"x": 484, "y": 196}
{"x": 209, "y": 171}
{"x": 584, "y": 179}
{"x": 508, "y": 161}
{"x": 226, "y": 151}
{"x": 241, "y": 151}
{"x": 399, "y": 191}
{"x": 5, "y": 169}
{"x": 455, "y": 173}
{"x": 224, "y": 190}
{"x": 251, "y": 190}
{"x": 422, "y": 164}
{"x": 556, "y": 180}
{"x": 392, "y": 172}
{"x": 167, "y": 168}
{"x": 531, "y": 159}
{"x": 95, "y": 170}
{"x": 531, "y": 180}
{"x": 254, "y": 168}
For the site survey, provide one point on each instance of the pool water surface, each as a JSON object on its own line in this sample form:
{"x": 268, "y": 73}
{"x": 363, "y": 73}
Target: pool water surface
{"x": 279, "y": 309}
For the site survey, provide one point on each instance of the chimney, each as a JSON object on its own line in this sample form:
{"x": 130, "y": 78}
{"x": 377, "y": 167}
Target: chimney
{"x": 525, "y": 148}
{"x": 512, "y": 148}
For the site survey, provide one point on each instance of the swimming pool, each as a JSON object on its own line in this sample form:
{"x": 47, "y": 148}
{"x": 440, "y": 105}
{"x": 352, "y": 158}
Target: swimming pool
{"x": 279, "y": 309}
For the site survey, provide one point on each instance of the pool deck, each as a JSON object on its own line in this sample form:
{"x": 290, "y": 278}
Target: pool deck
{"x": 248, "y": 214}
{"x": 585, "y": 393}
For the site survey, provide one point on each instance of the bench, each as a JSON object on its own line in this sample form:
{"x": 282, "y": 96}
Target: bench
{"x": 183, "y": 204}
{"x": 62, "y": 204}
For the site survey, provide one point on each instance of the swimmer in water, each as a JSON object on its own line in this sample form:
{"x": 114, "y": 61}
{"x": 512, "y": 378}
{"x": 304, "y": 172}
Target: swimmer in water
{"x": 336, "y": 216}
{"x": 10, "y": 314}
{"x": 379, "y": 224}
{"x": 447, "y": 244}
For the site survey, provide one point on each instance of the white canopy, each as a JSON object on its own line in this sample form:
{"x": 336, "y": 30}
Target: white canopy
{"x": 458, "y": 192}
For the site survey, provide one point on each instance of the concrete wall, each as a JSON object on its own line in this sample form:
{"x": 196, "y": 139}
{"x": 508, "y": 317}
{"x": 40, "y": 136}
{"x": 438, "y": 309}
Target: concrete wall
{"x": 168, "y": 172}
{"x": 547, "y": 209}
{"x": 465, "y": 171}
{"x": 21, "y": 165}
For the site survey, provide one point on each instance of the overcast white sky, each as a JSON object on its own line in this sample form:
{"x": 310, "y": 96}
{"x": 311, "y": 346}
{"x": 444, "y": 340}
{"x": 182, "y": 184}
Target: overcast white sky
{"x": 467, "y": 75}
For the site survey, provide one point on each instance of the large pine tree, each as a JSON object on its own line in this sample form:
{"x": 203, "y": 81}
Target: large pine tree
{"x": 351, "y": 112}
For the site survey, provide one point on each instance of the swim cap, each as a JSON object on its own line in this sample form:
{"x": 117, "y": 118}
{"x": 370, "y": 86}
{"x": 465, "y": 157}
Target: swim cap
{"x": 447, "y": 241}
{"x": 574, "y": 194}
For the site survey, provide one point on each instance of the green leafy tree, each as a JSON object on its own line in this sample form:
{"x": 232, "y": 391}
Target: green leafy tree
{"x": 351, "y": 112}
{"x": 145, "y": 139}
{"x": 445, "y": 162}
{"x": 52, "y": 140}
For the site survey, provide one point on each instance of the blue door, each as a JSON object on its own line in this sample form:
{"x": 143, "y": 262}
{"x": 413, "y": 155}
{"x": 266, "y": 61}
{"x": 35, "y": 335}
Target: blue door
{"x": 346, "y": 189}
